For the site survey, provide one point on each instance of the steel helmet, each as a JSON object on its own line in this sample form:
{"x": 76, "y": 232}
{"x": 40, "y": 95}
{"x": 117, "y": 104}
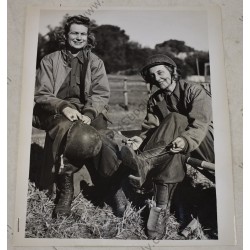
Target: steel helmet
{"x": 154, "y": 60}
{"x": 82, "y": 142}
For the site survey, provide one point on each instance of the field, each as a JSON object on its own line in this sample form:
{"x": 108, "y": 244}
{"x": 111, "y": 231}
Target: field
{"x": 196, "y": 194}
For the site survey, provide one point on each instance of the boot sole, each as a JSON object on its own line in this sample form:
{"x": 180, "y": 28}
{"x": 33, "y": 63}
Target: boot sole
{"x": 129, "y": 161}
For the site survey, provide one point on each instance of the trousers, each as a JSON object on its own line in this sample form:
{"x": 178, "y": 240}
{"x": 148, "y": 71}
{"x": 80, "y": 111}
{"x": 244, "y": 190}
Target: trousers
{"x": 173, "y": 169}
{"x": 104, "y": 164}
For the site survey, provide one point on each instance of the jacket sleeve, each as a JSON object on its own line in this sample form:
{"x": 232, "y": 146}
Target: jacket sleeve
{"x": 99, "y": 93}
{"x": 199, "y": 116}
{"x": 44, "y": 89}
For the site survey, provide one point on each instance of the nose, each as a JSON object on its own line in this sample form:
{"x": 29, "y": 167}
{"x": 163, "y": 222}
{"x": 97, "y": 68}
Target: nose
{"x": 79, "y": 37}
{"x": 157, "y": 77}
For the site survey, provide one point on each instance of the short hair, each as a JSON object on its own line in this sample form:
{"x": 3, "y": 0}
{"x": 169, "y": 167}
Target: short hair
{"x": 79, "y": 19}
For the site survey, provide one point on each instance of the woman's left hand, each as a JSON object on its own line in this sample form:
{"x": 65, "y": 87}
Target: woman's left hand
{"x": 178, "y": 145}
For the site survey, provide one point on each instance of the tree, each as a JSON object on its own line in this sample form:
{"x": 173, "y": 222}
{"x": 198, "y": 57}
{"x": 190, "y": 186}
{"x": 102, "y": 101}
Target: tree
{"x": 173, "y": 47}
{"x": 111, "y": 47}
{"x": 52, "y": 41}
{"x": 119, "y": 54}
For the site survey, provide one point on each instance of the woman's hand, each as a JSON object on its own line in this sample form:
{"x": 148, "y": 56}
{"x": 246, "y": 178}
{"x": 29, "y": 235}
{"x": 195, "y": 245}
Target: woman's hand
{"x": 135, "y": 142}
{"x": 178, "y": 145}
{"x": 72, "y": 114}
{"x": 86, "y": 119}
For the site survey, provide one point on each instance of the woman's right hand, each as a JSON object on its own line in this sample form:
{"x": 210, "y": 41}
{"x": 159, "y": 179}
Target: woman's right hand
{"x": 72, "y": 114}
{"x": 135, "y": 142}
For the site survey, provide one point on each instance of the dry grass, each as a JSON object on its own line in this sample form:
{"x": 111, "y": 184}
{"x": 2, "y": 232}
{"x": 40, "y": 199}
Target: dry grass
{"x": 91, "y": 222}
{"x": 86, "y": 220}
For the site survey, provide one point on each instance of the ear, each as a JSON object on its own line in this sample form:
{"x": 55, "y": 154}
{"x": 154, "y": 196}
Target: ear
{"x": 175, "y": 74}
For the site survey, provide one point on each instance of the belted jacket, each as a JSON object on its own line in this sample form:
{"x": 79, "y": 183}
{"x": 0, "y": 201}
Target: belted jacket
{"x": 188, "y": 99}
{"x": 52, "y": 73}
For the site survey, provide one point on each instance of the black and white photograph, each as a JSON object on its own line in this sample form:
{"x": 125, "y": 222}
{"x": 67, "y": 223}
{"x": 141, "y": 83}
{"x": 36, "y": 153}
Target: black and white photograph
{"x": 122, "y": 141}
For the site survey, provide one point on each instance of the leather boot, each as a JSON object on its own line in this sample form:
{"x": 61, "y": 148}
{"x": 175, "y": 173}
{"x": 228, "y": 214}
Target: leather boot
{"x": 143, "y": 162}
{"x": 159, "y": 214}
{"x": 114, "y": 194}
{"x": 65, "y": 191}
{"x": 118, "y": 201}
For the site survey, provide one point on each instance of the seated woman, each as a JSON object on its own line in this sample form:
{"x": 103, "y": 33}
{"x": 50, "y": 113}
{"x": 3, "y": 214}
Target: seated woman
{"x": 178, "y": 123}
{"x": 71, "y": 99}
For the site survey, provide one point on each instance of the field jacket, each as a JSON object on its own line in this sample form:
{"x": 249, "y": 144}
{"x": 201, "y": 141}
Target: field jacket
{"x": 188, "y": 99}
{"x": 52, "y": 74}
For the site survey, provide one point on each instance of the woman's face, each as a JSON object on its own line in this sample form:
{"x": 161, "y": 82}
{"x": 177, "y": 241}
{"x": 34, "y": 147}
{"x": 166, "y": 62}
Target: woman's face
{"x": 77, "y": 36}
{"x": 161, "y": 76}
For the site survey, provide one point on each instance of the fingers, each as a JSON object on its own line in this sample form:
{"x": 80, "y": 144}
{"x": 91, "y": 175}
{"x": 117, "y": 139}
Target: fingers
{"x": 135, "y": 142}
{"x": 78, "y": 115}
{"x": 176, "y": 150}
{"x": 177, "y": 145}
{"x": 71, "y": 114}
{"x": 85, "y": 119}
{"x": 71, "y": 117}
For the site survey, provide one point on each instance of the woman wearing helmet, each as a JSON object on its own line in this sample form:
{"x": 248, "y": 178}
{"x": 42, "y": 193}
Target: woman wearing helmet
{"x": 178, "y": 123}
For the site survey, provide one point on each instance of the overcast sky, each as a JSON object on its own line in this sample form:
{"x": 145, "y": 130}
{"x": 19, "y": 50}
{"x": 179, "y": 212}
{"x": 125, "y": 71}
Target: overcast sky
{"x": 146, "y": 27}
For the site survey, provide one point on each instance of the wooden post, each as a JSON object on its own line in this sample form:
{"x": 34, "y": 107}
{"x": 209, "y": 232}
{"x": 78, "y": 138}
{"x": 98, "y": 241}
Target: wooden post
{"x": 197, "y": 65}
{"x": 125, "y": 93}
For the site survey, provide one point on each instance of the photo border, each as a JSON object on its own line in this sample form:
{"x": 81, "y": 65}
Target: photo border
{"x": 224, "y": 180}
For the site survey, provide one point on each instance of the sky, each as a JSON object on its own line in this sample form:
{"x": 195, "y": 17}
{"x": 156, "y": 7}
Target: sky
{"x": 148, "y": 27}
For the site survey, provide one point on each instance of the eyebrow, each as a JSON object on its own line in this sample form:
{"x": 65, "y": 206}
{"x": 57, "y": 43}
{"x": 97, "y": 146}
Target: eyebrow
{"x": 78, "y": 32}
{"x": 159, "y": 70}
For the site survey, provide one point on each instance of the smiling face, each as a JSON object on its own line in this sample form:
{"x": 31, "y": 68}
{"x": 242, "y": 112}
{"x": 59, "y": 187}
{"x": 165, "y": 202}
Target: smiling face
{"x": 161, "y": 76}
{"x": 77, "y": 36}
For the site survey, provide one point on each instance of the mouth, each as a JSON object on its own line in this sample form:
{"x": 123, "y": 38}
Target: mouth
{"x": 161, "y": 82}
{"x": 78, "y": 43}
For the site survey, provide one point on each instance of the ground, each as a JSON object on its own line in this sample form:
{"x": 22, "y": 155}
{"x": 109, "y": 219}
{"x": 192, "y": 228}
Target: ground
{"x": 196, "y": 195}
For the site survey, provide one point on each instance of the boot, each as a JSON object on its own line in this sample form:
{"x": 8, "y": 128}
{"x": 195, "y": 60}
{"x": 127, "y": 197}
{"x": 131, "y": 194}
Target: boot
{"x": 118, "y": 201}
{"x": 114, "y": 194}
{"x": 143, "y": 162}
{"x": 65, "y": 190}
{"x": 156, "y": 225}
{"x": 159, "y": 214}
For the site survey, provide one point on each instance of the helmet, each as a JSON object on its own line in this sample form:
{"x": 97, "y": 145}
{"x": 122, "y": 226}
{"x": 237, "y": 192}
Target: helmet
{"x": 154, "y": 60}
{"x": 82, "y": 142}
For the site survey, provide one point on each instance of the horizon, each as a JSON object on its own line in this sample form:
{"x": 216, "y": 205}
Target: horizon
{"x": 188, "y": 26}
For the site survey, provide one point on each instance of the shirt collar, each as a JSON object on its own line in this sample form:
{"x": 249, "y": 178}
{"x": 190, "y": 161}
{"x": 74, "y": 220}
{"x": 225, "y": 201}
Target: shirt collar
{"x": 175, "y": 92}
{"x": 79, "y": 56}
{"x": 68, "y": 56}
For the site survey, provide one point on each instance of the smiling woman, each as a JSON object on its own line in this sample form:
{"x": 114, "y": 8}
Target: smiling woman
{"x": 72, "y": 89}
{"x": 76, "y": 33}
{"x": 77, "y": 36}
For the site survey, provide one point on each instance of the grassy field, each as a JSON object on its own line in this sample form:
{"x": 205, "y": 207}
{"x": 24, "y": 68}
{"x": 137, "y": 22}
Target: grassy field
{"x": 98, "y": 222}
{"x": 137, "y": 99}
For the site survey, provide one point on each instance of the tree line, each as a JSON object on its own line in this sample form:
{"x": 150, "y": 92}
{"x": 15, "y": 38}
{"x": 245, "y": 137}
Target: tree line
{"x": 123, "y": 56}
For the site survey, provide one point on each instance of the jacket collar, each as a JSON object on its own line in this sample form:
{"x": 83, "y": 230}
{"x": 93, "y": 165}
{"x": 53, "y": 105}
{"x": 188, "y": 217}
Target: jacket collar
{"x": 82, "y": 55}
{"x": 175, "y": 93}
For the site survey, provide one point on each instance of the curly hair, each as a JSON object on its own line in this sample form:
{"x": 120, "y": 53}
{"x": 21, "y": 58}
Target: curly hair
{"x": 83, "y": 20}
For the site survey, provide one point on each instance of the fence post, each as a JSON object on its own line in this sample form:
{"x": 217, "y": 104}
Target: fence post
{"x": 125, "y": 93}
{"x": 148, "y": 89}
{"x": 197, "y": 66}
